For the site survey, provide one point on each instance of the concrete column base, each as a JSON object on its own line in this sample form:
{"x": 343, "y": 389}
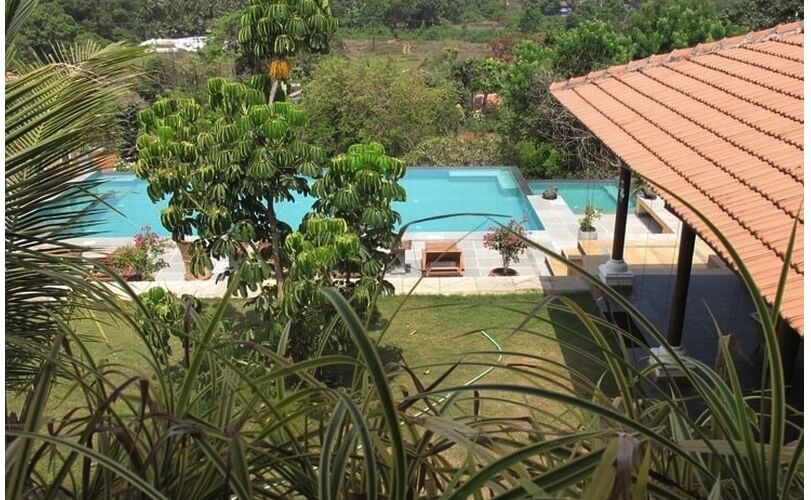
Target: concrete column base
{"x": 666, "y": 366}
{"x": 616, "y": 273}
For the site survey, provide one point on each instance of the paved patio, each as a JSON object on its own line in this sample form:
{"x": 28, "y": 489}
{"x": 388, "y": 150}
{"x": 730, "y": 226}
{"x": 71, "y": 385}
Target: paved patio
{"x": 722, "y": 297}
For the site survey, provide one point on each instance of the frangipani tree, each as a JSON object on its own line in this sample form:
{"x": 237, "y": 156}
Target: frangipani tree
{"x": 360, "y": 187}
{"x": 275, "y": 30}
{"x": 224, "y": 167}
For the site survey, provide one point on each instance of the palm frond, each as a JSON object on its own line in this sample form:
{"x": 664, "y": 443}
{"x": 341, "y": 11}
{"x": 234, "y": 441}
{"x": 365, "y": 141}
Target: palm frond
{"x": 55, "y": 114}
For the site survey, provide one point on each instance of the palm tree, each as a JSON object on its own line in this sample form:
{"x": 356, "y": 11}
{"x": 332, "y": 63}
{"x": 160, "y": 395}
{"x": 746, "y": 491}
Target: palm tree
{"x": 56, "y": 110}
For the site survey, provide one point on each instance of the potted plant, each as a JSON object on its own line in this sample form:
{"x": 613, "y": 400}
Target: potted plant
{"x": 140, "y": 260}
{"x": 587, "y": 231}
{"x": 505, "y": 240}
{"x": 641, "y": 188}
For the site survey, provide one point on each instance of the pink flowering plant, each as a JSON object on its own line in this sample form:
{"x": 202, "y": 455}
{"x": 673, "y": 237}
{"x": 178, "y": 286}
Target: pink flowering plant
{"x": 143, "y": 258}
{"x": 505, "y": 240}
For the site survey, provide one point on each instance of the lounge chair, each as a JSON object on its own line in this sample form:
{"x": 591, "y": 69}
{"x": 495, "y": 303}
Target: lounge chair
{"x": 442, "y": 258}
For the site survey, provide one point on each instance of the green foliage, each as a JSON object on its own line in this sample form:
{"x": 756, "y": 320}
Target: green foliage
{"x": 279, "y": 30}
{"x": 360, "y": 187}
{"x": 54, "y": 113}
{"x": 455, "y": 151}
{"x": 223, "y": 167}
{"x": 591, "y": 45}
{"x": 68, "y": 21}
{"x": 324, "y": 249}
{"x": 508, "y": 240}
{"x": 128, "y": 130}
{"x": 413, "y": 14}
{"x": 762, "y": 14}
{"x": 528, "y": 58}
{"x": 367, "y": 101}
{"x": 611, "y": 12}
{"x": 535, "y": 13}
{"x": 162, "y": 318}
{"x": 539, "y": 161}
{"x": 458, "y": 33}
{"x": 664, "y": 25}
{"x": 174, "y": 18}
{"x": 47, "y": 26}
{"x": 488, "y": 76}
{"x": 181, "y": 72}
{"x": 590, "y": 215}
{"x": 222, "y": 41}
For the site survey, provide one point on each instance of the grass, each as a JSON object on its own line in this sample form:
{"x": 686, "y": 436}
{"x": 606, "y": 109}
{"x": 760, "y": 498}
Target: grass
{"x": 432, "y": 333}
{"x": 429, "y": 334}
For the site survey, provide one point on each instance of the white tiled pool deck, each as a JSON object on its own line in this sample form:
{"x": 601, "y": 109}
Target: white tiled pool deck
{"x": 533, "y": 275}
{"x": 560, "y": 232}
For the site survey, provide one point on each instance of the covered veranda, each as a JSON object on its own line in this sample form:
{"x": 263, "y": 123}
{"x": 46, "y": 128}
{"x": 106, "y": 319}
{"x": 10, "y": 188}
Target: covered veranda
{"x": 718, "y": 127}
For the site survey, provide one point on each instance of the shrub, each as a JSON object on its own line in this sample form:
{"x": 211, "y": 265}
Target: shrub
{"x": 140, "y": 259}
{"x": 539, "y": 160}
{"x": 161, "y": 319}
{"x": 456, "y": 151}
{"x": 506, "y": 241}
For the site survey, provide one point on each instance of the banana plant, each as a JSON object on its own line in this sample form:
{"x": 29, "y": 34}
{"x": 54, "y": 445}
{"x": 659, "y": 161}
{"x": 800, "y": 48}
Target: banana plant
{"x": 275, "y": 30}
{"x": 223, "y": 167}
{"x": 360, "y": 187}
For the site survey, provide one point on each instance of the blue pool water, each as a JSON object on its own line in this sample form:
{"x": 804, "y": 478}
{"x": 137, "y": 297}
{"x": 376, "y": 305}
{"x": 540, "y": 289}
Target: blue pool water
{"x": 430, "y": 192}
{"x": 577, "y": 194}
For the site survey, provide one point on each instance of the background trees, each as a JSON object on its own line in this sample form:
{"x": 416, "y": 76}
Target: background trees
{"x": 762, "y": 14}
{"x": 589, "y": 46}
{"x": 361, "y": 102}
{"x": 665, "y": 25}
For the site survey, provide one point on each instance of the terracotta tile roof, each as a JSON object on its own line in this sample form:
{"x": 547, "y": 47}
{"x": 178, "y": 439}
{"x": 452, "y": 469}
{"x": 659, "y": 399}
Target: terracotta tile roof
{"x": 721, "y": 124}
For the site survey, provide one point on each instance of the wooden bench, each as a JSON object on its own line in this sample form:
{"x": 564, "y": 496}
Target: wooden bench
{"x": 558, "y": 268}
{"x": 643, "y": 208}
{"x": 442, "y": 258}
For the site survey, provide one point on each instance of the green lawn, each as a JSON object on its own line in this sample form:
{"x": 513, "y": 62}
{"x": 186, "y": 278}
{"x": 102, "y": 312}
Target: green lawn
{"x": 433, "y": 332}
{"x": 428, "y": 334}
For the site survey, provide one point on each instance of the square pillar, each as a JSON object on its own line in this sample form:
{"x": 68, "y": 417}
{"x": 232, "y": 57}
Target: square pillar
{"x": 678, "y": 306}
{"x": 614, "y": 271}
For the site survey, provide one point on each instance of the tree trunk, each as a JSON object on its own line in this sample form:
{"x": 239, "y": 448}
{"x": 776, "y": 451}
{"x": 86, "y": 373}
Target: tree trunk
{"x": 505, "y": 264}
{"x": 276, "y": 242}
{"x": 273, "y": 89}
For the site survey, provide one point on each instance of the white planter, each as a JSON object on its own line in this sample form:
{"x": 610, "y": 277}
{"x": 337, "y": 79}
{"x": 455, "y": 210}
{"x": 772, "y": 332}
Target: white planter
{"x": 586, "y": 235}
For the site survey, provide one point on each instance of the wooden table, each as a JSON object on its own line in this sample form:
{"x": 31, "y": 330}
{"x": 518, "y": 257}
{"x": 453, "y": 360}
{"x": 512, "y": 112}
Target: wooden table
{"x": 442, "y": 258}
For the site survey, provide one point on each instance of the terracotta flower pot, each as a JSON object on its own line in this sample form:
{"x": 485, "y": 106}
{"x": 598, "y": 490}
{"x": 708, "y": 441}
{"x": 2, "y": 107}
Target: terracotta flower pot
{"x": 131, "y": 274}
{"x": 185, "y": 253}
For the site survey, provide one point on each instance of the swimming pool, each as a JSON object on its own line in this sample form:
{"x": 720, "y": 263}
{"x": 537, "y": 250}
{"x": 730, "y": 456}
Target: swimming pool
{"x": 577, "y": 194}
{"x": 430, "y": 191}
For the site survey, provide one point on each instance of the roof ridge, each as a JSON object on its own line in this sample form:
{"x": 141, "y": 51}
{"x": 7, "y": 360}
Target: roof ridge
{"x": 769, "y": 34}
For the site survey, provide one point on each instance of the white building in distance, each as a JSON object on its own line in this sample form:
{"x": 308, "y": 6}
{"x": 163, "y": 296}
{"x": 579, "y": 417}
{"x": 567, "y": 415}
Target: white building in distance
{"x": 188, "y": 44}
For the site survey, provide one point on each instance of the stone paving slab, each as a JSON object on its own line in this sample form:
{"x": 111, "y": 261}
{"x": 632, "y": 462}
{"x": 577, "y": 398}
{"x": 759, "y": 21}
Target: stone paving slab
{"x": 402, "y": 285}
